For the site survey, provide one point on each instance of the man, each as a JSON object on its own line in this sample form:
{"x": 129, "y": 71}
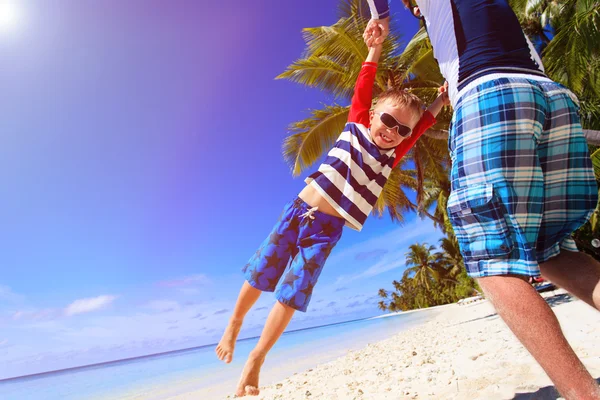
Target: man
{"x": 522, "y": 180}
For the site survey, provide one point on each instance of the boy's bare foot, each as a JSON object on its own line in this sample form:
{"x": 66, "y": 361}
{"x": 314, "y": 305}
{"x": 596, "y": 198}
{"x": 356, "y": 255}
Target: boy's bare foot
{"x": 248, "y": 385}
{"x": 226, "y": 346}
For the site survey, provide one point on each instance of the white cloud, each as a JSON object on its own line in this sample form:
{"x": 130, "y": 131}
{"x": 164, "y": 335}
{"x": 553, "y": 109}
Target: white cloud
{"x": 6, "y": 294}
{"x": 88, "y": 305}
{"x": 36, "y": 315}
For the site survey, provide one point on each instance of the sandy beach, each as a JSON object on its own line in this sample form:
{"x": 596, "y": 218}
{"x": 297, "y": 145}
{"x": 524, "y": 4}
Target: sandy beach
{"x": 466, "y": 352}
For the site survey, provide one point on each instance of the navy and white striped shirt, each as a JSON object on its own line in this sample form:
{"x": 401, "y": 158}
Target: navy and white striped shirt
{"x": 353, "y": 175}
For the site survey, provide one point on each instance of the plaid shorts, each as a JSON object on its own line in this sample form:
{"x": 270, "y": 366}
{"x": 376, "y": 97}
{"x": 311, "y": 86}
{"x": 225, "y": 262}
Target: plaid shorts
{"x": 296, "y": 250}
{"x": 522, "y": 178}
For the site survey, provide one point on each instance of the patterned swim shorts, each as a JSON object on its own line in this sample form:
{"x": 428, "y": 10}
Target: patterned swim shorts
{"x": 522, "y": 178}
{"x": 304, "y": 236}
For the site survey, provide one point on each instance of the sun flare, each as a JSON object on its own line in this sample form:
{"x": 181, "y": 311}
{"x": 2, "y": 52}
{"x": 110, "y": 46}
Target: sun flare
{"x": 9, "y": 15}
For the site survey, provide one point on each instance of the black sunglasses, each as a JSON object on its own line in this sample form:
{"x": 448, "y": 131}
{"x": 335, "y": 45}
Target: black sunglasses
{"x": 391, "y": 123}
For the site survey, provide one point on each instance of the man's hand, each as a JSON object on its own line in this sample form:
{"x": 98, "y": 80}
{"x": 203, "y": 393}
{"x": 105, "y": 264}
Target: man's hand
{"x": 376, "y": 31}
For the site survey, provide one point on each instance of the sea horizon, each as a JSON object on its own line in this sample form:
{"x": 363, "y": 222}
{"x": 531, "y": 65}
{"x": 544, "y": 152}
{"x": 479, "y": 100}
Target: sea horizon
{"x": 167, "y": 374}
{"x": 165, "y": 353}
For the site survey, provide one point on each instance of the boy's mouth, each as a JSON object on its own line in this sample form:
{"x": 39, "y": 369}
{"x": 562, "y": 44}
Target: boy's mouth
{"x": 387, "y": 138}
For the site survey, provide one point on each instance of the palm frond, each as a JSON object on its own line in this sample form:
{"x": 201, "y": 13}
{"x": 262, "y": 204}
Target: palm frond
{"x": 322, "y": 73}
{"x": 310, "y": 138}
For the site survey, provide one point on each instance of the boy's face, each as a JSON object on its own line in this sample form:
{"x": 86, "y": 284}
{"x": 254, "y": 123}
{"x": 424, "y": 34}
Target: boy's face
{"x": 384, "y": 136}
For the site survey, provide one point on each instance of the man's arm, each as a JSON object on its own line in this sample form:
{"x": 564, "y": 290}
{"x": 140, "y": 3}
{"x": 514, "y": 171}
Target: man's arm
{"x": 363, "y": 90}
{"x": 379, "y": 26}
{"x": 380, "y": 9}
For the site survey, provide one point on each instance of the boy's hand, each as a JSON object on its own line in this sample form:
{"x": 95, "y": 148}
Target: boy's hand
{"x": 376, "y": 31}
{"x": 443, "y": 93}
{"x": 440, "y": 101}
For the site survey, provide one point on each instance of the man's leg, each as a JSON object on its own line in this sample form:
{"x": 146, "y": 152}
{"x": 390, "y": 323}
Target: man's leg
{"x": 577, "y": 273}
{"x": 516, "y": 301}
{"x": 246, "y": 299}
{"x": 278, "y": 320}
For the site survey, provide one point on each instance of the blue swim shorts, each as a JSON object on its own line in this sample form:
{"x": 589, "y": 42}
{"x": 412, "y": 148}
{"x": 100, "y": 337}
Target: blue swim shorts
{"x": 296, "y": 250}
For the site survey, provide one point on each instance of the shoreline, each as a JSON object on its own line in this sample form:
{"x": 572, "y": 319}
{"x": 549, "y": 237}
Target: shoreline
{"x": 397, "y": 313}
{"x": 464, "y": 352}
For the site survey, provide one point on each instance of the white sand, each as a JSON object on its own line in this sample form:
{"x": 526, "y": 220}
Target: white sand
{"x": 467, "y": 352}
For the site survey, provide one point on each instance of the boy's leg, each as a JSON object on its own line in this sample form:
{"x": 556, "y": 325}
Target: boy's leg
{"x": 246, "y": 299}
{"x": 262, "y": 273}
{"x": 318, "y": 234}
{"x": 577, "y": 273}
{"x": 279, "y": 318}
{"x": 516, "y": 301}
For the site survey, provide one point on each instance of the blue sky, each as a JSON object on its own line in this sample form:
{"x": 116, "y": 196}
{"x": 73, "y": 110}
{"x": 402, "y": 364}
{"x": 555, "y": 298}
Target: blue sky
{"x": 140, "y": 162}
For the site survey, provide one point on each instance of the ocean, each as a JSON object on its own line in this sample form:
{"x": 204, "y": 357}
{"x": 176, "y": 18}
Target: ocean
{"x": 175, "y": 373}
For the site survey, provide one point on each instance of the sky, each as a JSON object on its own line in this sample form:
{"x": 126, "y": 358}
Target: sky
{"x": 141, "y": 167}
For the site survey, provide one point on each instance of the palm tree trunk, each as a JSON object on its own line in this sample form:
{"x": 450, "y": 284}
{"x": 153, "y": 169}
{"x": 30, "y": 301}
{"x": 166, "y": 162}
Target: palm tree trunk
{"x": 440, "y": 134}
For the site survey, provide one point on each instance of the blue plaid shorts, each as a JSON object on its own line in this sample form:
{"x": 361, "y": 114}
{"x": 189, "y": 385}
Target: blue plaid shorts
{"x": 522, "y": 178}
{"x": 296, "y": 249}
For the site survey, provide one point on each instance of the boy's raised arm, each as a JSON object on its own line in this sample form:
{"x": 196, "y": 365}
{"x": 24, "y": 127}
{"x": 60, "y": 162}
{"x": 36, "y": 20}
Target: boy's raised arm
{"x": 363, "y": 90}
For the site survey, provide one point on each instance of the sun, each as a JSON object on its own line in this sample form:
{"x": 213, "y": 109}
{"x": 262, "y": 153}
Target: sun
{"x": 9, "y": 15}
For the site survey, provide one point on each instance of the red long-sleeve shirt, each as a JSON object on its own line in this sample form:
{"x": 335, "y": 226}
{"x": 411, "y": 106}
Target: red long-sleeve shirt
{"x": 353, "y": 175}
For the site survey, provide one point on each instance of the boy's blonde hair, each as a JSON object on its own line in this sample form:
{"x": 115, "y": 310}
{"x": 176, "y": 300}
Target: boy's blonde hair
{"x": 403, "y": 98}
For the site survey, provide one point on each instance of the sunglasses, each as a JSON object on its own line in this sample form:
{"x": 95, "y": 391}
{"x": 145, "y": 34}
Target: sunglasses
{"x": 391, "y": 123}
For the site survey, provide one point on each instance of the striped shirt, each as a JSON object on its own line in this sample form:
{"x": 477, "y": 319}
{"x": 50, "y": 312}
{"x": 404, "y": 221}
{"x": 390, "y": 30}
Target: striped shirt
{"x": 353, "y": 175}
{"x": 473, "y": 40}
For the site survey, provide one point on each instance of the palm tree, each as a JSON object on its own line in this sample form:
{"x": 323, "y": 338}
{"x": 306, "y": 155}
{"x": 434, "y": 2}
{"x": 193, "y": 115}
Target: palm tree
{"x": 331, "y": 62}
{"x": 451, "y": 258}
{"x": 572, "y": 55}
{"x": 423, "y": 264}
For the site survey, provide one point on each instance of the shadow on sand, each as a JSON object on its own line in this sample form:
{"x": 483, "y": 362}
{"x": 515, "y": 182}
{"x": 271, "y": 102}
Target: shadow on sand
{"x": 552, "y": 301}
{"x": 559, "y": 299}
{"x": 545, "y": 393}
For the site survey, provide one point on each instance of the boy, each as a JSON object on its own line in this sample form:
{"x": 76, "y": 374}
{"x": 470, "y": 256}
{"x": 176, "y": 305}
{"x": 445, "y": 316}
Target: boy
{"x": 342, "y": 192}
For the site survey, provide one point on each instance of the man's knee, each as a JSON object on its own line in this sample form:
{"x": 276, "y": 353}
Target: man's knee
{"x": 504, "y": 287}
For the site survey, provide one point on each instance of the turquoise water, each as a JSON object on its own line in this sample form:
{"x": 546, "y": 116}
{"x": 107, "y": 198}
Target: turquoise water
{"x": 174, "y": 373}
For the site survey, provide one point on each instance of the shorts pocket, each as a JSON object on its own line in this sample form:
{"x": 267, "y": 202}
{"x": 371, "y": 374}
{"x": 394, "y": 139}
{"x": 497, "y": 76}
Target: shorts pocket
{"x": 479, "y": 223}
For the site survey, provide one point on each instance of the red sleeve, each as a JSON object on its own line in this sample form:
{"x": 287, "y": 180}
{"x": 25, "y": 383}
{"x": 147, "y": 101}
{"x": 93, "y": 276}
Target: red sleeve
{"x": 363, "y": 94}
{"x": 426, "y": 122}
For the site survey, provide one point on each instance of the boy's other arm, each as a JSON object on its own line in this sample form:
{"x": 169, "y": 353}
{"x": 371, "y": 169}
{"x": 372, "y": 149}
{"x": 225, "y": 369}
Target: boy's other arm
{"x": 427, "y": 121}
{"x": 440, "y": 101}
{"x": 363, "y": 90}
